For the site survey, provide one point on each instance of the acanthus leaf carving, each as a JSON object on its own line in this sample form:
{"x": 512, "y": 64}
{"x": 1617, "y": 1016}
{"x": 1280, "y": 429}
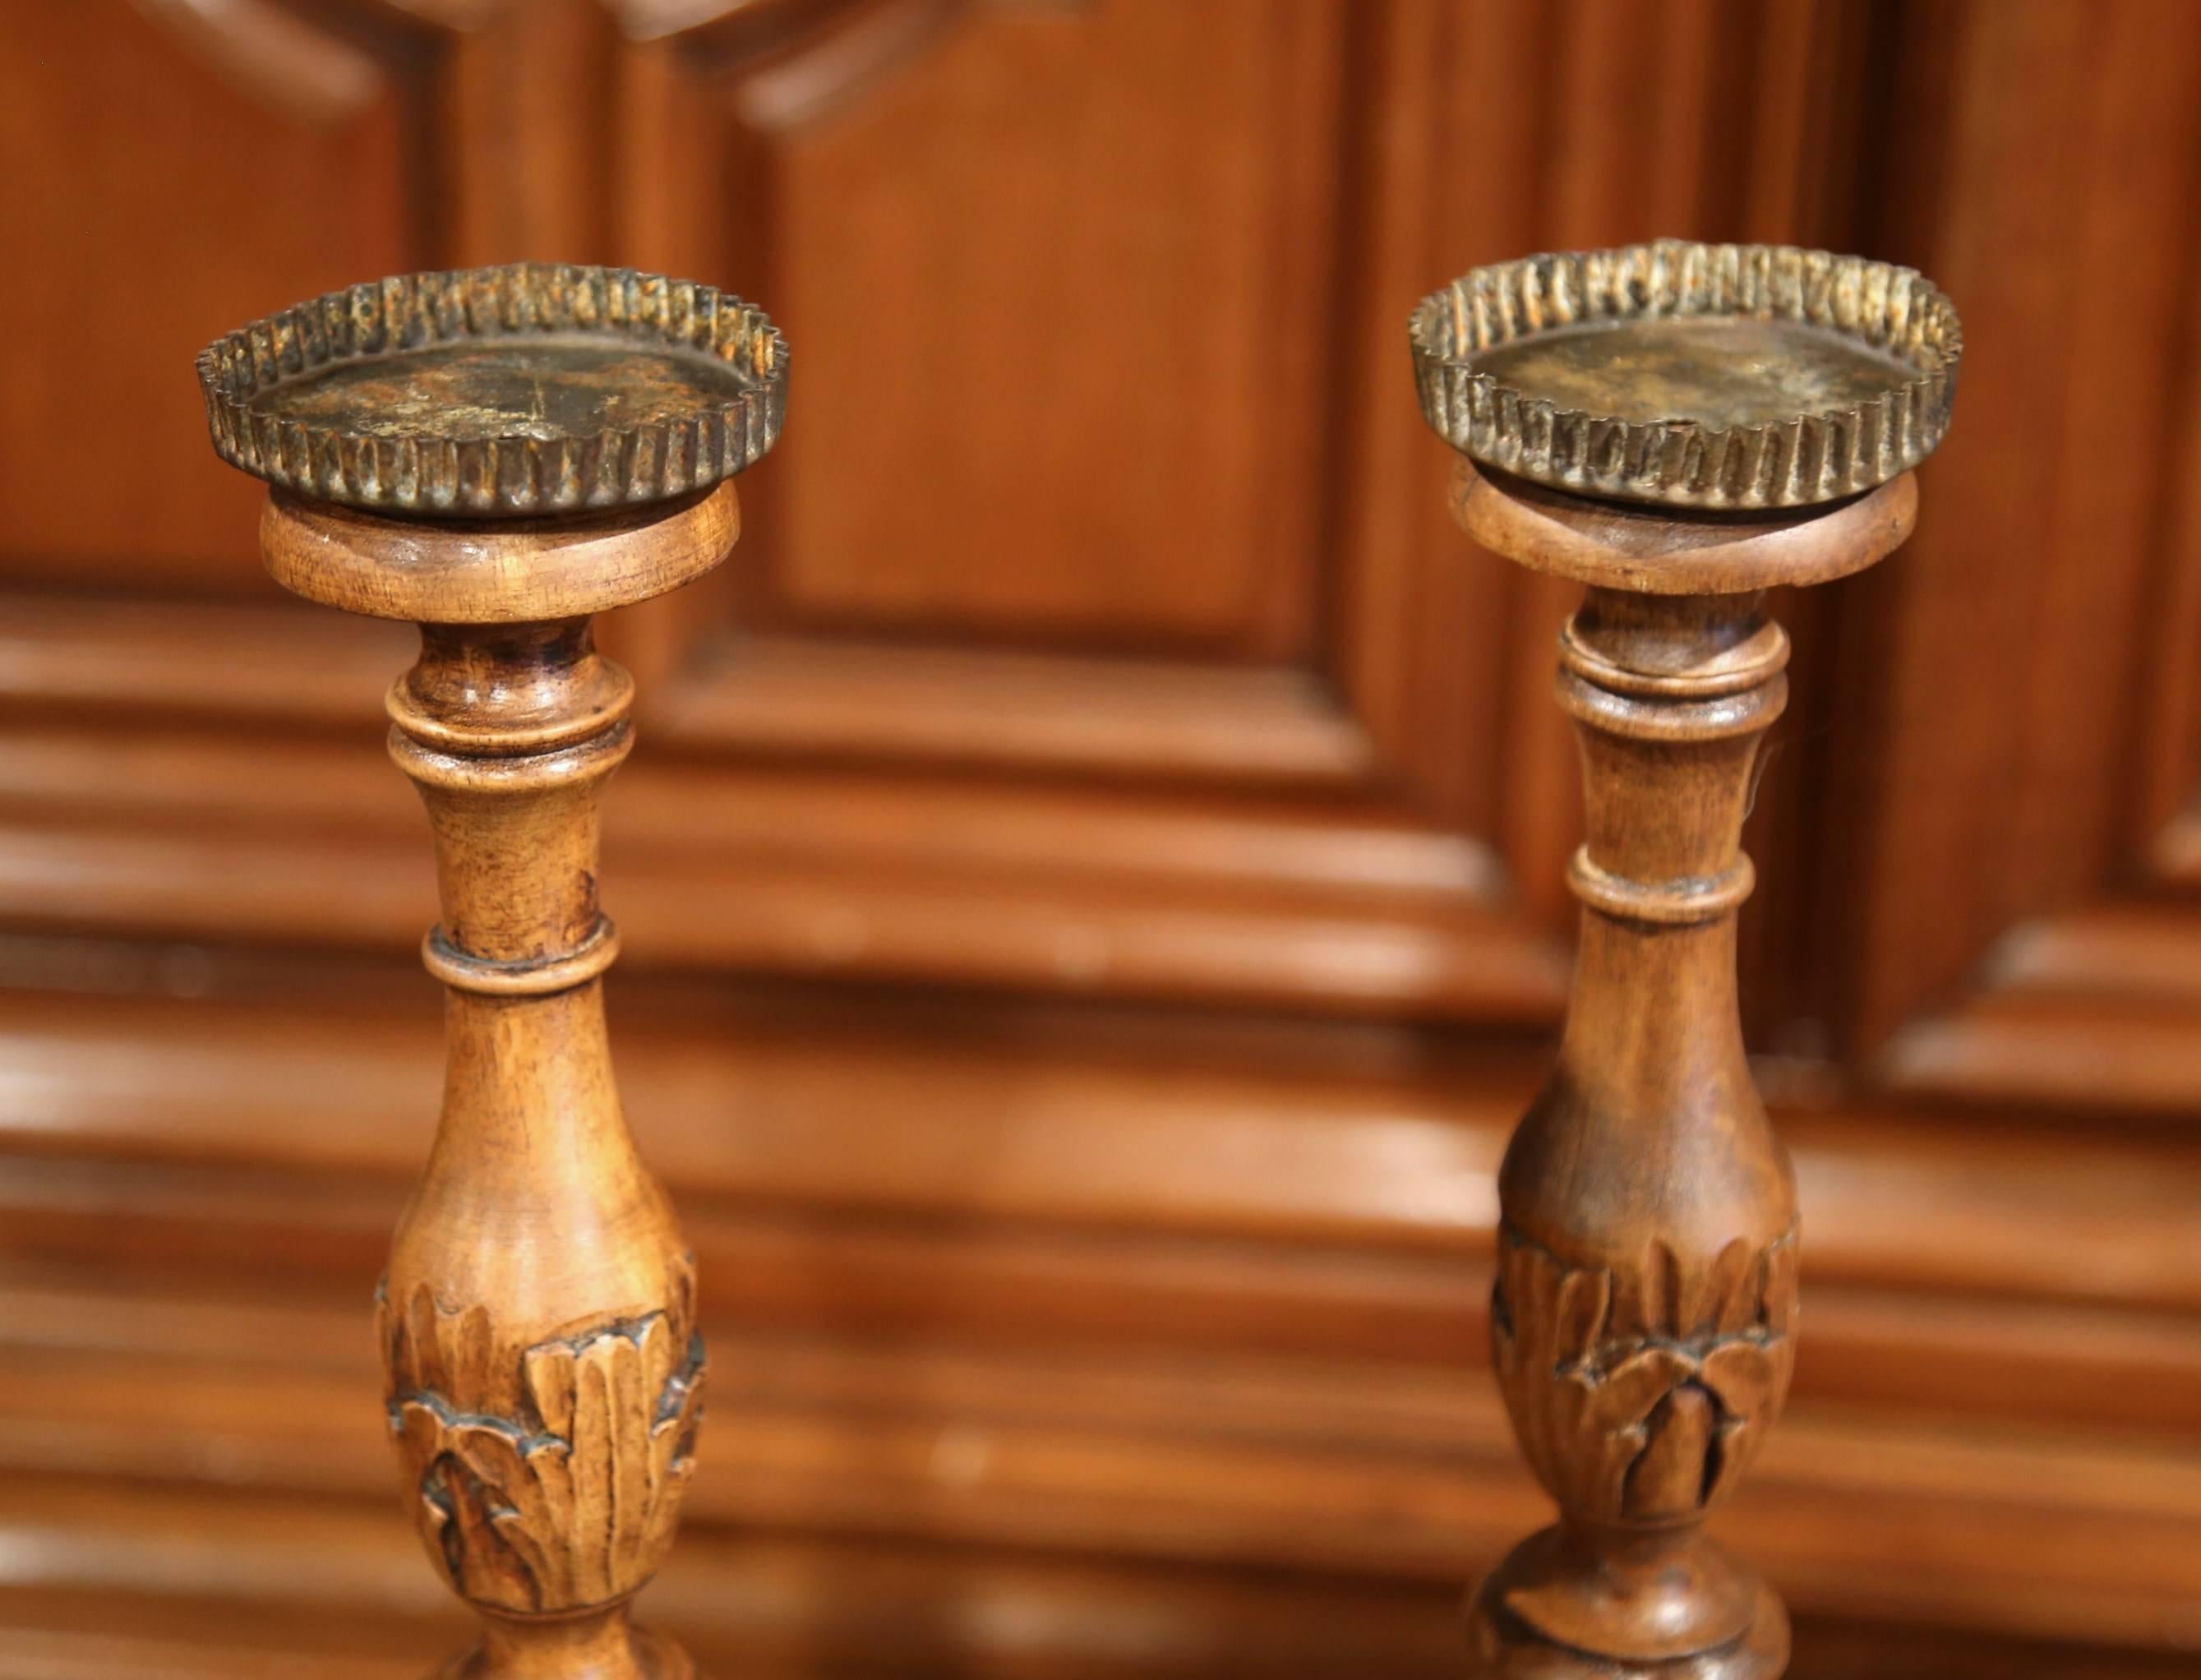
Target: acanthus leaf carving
{"x": 550, "y": 1476}
{"x": 1640, "y": 1394}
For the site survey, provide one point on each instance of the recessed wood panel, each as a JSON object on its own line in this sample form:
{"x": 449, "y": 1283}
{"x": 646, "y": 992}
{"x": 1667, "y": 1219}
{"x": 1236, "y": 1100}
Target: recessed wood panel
{"x": 172, "y": 170}
{"x": 2000, "y": 673}
{"x": 1058, "y": 278}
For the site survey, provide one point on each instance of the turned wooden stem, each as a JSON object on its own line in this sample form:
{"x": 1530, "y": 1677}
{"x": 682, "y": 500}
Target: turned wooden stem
{"x": 538, "y": 1318}
{"x": 544, "y": 1376}
{"x": 1643, "y": 1316}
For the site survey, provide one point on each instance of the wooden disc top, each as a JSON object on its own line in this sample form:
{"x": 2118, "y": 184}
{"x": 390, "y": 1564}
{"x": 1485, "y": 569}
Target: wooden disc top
{"x": 1670, "y": 551}
{"x": 494, "y": 571}
{"x": 525, "y": 389}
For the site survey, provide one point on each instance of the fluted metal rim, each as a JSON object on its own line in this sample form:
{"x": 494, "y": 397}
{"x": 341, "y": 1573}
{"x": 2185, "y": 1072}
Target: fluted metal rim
{"x": 1809, "y": 458}
{"x": 421, "y": 473}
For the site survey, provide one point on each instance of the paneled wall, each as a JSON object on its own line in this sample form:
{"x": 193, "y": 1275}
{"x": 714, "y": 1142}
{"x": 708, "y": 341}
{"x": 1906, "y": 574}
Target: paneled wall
{"x": 1091, "y": 877}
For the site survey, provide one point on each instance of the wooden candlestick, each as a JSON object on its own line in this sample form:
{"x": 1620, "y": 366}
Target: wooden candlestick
{"x": 1642, "y": 1320}
{"x": 537, "y": 1322}
{"x": 1643, "y": 1316}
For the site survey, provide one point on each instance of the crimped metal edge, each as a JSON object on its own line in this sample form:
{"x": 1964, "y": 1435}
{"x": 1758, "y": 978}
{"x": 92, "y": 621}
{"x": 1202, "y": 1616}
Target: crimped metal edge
{"x": 1809, "y": 459}
{"x": 514, "y": 475}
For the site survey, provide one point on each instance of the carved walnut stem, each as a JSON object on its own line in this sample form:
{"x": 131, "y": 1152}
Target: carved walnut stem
{"x": 537, "y": 1322}
{"x": 1643, "y": 1315}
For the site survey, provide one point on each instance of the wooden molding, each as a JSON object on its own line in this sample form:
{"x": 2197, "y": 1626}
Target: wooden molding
{"x": 2097, "y": 1010}
{"x": 1248, "y": 859}
{"x": 2003, "y": 674}
{"x": 1397, "y": 1473}
{"x": 1223, "y": 725}
{"x": 207, "y": 1585}
{"x": 1096, "y": 1119}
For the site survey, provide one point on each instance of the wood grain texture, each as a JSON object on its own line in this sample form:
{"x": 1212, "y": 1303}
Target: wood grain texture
{"x": 543, "y": 1371}
{"x": 792, "y": 1604}
{"x": 1644, "y": 1313}
{"x": 2045, "y": 162}
{"x": 1092, "y": 1120}
{"x": 1165, "y": 242}
{"x": 1066, "y": 1227}
{"x": 1107, "y": 988}
{"x": 1617, "y": 549}
{"x": 127, "y": 248}
{"x": 473, "y": 573}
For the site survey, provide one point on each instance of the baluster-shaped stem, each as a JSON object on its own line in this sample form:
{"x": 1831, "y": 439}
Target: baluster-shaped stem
{"x": 544, "y": 1376}
{"x": 1643, "y": 1317}
{"x": 1681, "y": 427}
{"x": 538, "y": 1319}
{"x": 1647, "y": 1268}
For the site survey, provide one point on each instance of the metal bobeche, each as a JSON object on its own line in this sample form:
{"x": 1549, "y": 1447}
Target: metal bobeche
{"x": 523, "y": 390}
{"x": 1691, "y": 375}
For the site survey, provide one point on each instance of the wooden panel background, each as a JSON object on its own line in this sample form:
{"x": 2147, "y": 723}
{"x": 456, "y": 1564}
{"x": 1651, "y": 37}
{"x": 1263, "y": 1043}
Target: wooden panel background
{"x": 1091, "y": 878}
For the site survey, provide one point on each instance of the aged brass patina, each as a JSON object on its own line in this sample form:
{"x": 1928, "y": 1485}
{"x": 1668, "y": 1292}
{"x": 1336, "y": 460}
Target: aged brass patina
{"x": 1691, "y": 375}
{"x": 533, "y": 388}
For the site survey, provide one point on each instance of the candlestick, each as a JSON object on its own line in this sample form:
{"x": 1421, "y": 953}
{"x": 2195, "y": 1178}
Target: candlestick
{"x": 497, "y": 455}
{"x": 1679, "y": 427}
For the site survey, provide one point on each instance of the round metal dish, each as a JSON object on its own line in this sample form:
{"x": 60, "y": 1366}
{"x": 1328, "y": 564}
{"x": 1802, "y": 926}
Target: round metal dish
{"x": 1691, "y": 375}
{"x": 534, "y": 388}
